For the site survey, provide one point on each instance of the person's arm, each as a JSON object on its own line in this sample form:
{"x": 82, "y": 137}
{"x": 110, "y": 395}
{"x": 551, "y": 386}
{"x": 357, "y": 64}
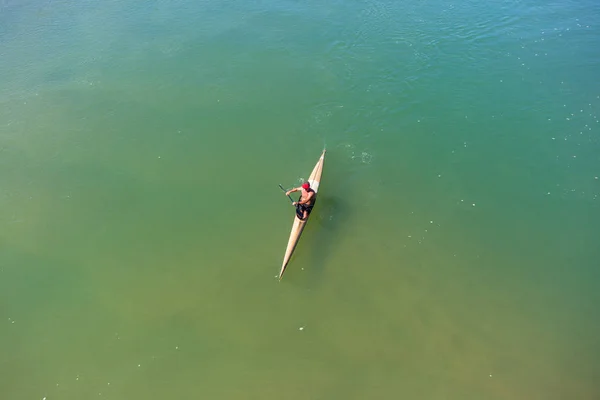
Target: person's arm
{"x": 291, "y": 191}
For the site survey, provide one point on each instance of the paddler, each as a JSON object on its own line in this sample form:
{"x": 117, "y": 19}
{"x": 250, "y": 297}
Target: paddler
{"x": 307, "y": 199}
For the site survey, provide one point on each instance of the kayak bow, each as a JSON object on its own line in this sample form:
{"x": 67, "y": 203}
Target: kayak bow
{"x": 298, "y": 226}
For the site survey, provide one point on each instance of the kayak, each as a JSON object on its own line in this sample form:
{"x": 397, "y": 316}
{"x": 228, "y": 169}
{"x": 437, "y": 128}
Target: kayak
{"x": 298, "y": 226}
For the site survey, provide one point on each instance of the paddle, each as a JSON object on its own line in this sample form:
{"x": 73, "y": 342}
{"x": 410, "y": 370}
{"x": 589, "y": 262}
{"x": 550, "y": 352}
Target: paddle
{"x": 298, "y": 212}
{"x": 285, "y": 191}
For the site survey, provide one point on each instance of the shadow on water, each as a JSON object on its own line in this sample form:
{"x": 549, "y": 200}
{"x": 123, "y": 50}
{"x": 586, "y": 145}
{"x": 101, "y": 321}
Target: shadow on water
{"x": 328, "y": 224}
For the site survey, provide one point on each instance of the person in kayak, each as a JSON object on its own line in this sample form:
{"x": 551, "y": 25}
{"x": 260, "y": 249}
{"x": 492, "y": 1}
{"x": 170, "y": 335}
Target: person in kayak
{"x": 307, "y": 199}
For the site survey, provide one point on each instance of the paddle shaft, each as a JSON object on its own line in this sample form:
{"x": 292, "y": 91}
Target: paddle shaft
{"x": 285, "y": 191}
{"x": 297, "y": 205}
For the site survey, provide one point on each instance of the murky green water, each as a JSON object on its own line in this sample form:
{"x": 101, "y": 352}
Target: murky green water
{"x": 452, "y": 253}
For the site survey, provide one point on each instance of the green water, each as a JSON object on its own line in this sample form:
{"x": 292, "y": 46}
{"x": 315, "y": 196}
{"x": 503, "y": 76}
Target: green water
{"x": 453, "y": 250}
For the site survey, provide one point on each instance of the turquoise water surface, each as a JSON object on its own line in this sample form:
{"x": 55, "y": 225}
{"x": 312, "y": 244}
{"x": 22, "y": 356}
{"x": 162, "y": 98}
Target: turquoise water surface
{"x": 452, "y": 253}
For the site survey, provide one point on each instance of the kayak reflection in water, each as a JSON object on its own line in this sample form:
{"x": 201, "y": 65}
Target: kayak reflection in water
{"x": 307, "y": 199}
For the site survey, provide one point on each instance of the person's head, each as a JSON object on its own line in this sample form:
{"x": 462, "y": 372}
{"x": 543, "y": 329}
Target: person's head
{"x": 306, "y": 186}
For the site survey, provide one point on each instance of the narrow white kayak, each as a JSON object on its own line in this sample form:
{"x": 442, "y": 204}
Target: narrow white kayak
{"x": 298, "y": 226}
